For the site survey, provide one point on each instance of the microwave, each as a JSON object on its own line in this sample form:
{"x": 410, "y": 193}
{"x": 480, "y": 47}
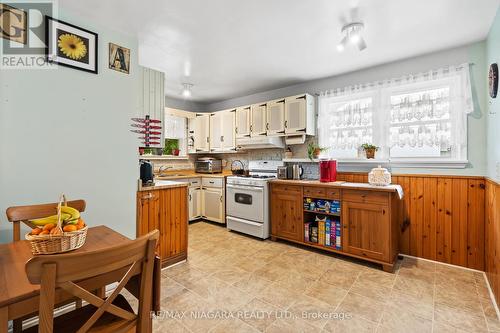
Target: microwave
{"x": 208, "y": 165}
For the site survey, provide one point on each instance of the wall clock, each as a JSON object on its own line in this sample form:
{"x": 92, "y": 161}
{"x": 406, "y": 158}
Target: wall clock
{"x": 493, "y": 80}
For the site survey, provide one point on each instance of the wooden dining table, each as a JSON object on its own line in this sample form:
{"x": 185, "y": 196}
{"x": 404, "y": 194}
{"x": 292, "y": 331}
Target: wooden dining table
{"x": 19, "y": 298}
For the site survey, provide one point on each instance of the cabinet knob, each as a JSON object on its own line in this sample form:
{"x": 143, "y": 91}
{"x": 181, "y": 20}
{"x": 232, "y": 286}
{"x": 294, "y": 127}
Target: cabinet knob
{"x": 286, "y": 123}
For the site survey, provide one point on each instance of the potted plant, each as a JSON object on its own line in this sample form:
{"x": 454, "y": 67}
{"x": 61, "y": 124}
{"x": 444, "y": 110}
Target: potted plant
{"x": 171, "y": 147}
{"x": 313, "y": 150}
{"x": 369, "y": 150}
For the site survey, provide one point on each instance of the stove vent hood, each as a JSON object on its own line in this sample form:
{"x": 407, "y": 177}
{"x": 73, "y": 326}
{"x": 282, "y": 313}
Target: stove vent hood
{"x": 260, "y": 142}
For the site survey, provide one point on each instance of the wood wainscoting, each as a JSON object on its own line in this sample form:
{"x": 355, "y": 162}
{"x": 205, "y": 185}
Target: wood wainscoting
{"x": 493, "y": 236}
{"x": 443, "y": 217}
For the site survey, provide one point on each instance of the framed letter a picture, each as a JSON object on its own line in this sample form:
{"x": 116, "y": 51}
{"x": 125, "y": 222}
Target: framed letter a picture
{"x": 119, "y": 58}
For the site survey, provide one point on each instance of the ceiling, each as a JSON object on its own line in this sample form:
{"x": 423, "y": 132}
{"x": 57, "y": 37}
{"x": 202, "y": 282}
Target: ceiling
{"x": 231, "y": 48}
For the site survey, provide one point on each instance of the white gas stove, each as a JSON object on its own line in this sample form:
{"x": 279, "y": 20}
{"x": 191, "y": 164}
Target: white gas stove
{"x": 247, "y": 199}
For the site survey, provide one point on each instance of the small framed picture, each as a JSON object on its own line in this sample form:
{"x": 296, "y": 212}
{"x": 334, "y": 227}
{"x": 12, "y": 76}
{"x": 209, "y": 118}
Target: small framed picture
{"x": 13, "y": 23}
{"x": 119, "y": 58}
{"x": 71, "y": 46}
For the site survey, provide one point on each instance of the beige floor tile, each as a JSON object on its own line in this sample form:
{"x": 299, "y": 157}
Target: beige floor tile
{"x": 351, "y": 325}
{"x": 233, "y": 325}
{"x": 278, "y": 296}
{"x": 272, "y": 272}
{"x": 311, "y": 310}
{"x": 376, "y": 276}
{"x": 420, "y": 305}
{"x": 258, "y": 314}
{"x": 340, "y": 278}
{"x": 440, "y": 327}
{"x": 376, "y": 291}
{"x": 417, "y": 273}
{"x": 252, "y": 284}
{"x": 466, "y": 301}
{"x": 421, "y": 264}
{"x": 230, "y": 275}
{"x": 490, "y": 314}
{"x": 171, "y": 326}
{"x": 397, "y": 319}
{"x": 421, "y": 289}
{"x": 170, "y": 288}
{"x": 294, "y": 280}
{"x": 364, "y": 307}
{"x": 291, "y": 326}
{"x": 459, "y": 319}
{"x": 326, "y": 292}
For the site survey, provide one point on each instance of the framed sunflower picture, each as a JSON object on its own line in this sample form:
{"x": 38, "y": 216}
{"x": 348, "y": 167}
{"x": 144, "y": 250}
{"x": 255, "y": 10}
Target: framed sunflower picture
{"x": 71, "y": 46}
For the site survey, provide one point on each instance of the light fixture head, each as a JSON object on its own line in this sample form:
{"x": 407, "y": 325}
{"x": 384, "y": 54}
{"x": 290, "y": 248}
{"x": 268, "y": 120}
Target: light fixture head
{"x": 186, "y": 90}
{"x": 352, "y": 33}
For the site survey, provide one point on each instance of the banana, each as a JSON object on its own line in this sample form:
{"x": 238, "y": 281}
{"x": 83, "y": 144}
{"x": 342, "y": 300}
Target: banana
{"x": 75, "y": 214}
{"x": 50, "y": 219}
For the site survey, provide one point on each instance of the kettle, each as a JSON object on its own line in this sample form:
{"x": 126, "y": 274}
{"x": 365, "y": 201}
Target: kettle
{"x": 146, "y": 173}
{"x": 297, "y": 171}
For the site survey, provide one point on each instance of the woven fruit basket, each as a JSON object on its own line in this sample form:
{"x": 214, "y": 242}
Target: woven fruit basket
{"x": 57, "y": 241}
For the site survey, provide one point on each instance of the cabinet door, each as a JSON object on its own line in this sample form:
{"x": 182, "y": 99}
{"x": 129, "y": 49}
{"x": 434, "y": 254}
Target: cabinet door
{"x": 191, "y": 148}
{"x": 275, "y": 115}
{"x": 194, "y": 203}
{"x": 212, "y": 204}
{"x": 173, "y": 223}
{"x": 228, "y": 130}
{"x": 366, "y": 230}
{"x": 295, "y": 114}
{"x": 202, "y": 132}
{"x": 258, "y": 120}
{"x": 286, "y": 215}
{"x": 216, "y": 132}
{"x": 148, "y": 212}
{"x": 243, "y": 121}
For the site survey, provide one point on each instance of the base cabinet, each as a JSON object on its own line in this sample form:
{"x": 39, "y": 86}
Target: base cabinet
{"x": 194, "y": 203}
{"x": 366, "y": 230}
{"x": 167, "y": 211}
{"x": 286, "y": 212}
{"x": 212, "y": 204}
{"x": 367, "y": 220}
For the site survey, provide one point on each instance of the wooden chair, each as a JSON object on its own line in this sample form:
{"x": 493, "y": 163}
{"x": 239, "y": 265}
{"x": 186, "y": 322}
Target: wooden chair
{"x": 112, "y": 314}
{"x": 19, "y": 214}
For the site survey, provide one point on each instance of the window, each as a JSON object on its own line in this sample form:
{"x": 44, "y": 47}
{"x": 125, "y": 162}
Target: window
{"x": 175, "y": 135}
{"x": 411, "y": 119}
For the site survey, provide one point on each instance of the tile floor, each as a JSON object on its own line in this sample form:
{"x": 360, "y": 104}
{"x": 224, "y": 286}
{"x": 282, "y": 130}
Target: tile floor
{"x": 234, "y": 283}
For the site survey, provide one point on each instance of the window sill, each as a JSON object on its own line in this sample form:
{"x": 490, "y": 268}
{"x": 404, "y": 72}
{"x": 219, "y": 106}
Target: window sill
{"x": 158, "y": 157}
{"x": 367, "y": 164}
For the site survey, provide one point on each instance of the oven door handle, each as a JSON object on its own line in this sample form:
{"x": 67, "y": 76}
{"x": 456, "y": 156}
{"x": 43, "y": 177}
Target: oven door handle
{"x": 257, "y": 224}
{"x": 246, "y": 187}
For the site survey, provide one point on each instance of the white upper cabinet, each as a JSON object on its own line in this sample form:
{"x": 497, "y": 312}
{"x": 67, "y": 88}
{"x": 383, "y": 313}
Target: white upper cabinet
{"x": 275, "y": 115}
{"x": 222, "y": 127}
{"x": 258, "y": 119}
{"x": 216, "y": 131}
{"x": 300, "y": 115}
{"x": 199, "y": 130}
{"x": 228, "y": 130}
{"x": 243, "y": 121}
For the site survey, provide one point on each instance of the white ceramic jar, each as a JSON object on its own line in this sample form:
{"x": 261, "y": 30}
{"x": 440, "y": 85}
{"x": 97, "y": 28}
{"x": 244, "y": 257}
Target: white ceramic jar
{"x": 379, "y": 176}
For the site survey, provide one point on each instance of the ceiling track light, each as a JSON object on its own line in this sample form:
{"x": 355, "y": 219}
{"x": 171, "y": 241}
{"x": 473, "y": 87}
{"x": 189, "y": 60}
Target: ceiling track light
{"x": 186, "y": 90}
{"x": 352, "y": 34}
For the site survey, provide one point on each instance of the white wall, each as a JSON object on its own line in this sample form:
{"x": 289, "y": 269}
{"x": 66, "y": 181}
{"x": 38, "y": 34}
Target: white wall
{"x": 67, "y": 131}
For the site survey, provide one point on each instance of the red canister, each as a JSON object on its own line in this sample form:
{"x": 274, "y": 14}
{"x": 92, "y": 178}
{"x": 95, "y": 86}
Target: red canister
{"x": 333, "y": 170}
{"x": 324, "y": 171}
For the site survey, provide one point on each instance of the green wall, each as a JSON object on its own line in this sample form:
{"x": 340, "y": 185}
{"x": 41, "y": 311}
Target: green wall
{"x": 67, "y": 131}
{"x": 493, "y": 114}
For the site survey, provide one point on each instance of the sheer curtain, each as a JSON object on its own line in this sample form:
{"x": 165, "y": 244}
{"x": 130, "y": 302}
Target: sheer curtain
{"x": 409, "y": 113}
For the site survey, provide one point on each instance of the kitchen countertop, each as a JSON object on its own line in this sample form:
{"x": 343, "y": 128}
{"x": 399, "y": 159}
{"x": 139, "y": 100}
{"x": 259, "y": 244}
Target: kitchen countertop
{"x": 341, "y": 184}
{"x": 163, "y": 184}
{"x": 181, "y": 174}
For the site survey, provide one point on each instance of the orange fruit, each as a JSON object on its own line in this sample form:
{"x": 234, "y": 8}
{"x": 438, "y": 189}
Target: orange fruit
{"x": 49, "y": 226}
{"x": 36, "y": 231}
{"x": 80, "y": 224}
{"x": 44, "y": 232}
{"x": 69, "y": 228}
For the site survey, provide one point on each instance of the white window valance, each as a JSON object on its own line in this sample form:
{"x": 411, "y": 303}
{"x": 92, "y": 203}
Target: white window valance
{"x": 424, "y": 115}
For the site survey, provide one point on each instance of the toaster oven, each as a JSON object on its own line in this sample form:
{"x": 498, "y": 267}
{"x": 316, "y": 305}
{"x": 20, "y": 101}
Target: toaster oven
{"x": 208, "y": 165}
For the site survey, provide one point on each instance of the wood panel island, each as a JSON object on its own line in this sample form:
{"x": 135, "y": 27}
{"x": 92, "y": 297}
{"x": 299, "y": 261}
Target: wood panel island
{"x": 164, "y": 206}
{"x": 364, "y": 219}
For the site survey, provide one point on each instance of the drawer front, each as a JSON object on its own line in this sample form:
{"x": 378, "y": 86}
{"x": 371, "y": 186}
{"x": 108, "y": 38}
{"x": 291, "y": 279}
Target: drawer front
{"x": 366, "y": 196}
{"x": 287, "y": 188}
{"x": 333, "y": 193}
{"x": 212, "y": 182}
{"x": 315, "y": 192}
{"x": 195, "y": 182}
